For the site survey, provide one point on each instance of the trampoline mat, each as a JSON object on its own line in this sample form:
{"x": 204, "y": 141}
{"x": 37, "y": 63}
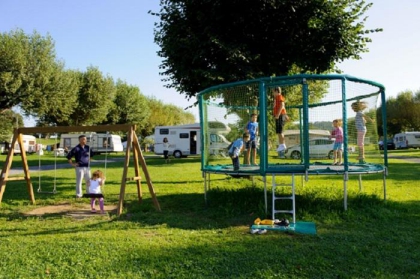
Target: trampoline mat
{"x": 313, "y": 169}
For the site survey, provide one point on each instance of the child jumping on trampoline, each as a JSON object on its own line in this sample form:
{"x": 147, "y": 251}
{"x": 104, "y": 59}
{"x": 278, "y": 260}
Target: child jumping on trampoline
{"x": 236, "y": 149}
{"x": 337, "y": 134}
{"x": 360, "y": 122}
{"x": 95, "y": 184}
{"x": 252, "y": 129}
{"x": 280, "y": 115}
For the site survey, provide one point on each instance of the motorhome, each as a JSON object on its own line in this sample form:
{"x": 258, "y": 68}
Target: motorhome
{"x": 100, "y": 143}
{"x": 407, "y": 140}
{"x": 29, "y": 143}
{"x": 184, "y": 140}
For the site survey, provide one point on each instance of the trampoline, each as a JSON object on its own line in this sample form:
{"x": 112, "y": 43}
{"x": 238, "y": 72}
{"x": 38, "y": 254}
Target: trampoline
{"x": 312, "y": 103}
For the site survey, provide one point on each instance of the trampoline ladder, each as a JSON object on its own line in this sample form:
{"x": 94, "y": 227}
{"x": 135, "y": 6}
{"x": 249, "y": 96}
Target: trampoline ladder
{"x": 291, "y": 211}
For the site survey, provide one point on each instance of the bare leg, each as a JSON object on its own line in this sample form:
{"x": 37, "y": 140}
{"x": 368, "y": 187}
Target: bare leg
{"x": 254, "y": 153}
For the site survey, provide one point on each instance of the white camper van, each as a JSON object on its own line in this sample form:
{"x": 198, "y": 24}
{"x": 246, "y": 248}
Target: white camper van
{"x": 184, "y": 140}
{"x": 407, "y": 140}
{"x": 100, "y": 143}
{"x": 29, "y": 143}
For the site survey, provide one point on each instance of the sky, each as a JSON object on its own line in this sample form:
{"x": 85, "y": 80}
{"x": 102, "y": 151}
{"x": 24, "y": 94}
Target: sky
{"x": 117, "y": 37}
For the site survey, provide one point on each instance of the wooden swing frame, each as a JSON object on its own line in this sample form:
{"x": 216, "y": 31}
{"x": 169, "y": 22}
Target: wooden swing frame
{"x": 132, "y": 143}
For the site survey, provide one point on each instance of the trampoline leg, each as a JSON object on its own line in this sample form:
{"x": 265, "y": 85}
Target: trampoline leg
{"x": 385, "y": 173}
{"x": 360, "y": 183}
{"x": 205, "y": 187}
{"x": 265, "y": 194}
{"x": 346, "y": 178}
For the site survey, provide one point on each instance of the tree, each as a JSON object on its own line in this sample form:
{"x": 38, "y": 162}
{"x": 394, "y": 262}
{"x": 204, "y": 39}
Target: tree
{"x": 94, "y": 98}
{"x": 60, "y": 99}
{"x": 208, "y": 42}
{"x": 26, "y": 65}
{"x": 403, "y": 113}
{"x": 130, "y": 106}
{"x": 9, "y": 121}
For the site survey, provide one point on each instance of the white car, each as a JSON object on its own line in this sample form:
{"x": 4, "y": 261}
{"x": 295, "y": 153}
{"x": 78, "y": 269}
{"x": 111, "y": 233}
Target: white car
{"x": 318, "y": 148}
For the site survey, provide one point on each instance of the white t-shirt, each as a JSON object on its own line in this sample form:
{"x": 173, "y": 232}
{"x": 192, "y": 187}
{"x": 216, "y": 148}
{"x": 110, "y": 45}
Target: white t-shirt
{"x": 166, "y": 146}
{"x": 95, "y": 187}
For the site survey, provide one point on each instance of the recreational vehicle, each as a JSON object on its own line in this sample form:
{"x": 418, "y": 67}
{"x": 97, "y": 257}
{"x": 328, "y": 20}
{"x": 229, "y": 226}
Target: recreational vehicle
{"x": 100, "y": 143}
{"x": 29, "y": 143}
{"x": 407, "y": 140}
{"x": 184, "y": 140}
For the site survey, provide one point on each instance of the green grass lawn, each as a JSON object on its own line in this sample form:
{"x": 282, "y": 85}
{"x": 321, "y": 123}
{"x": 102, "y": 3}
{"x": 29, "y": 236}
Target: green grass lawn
{"x": 189, "y": 239}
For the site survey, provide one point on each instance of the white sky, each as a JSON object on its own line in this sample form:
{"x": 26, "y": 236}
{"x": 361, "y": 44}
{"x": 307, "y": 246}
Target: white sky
{"x": 117, "y": 37}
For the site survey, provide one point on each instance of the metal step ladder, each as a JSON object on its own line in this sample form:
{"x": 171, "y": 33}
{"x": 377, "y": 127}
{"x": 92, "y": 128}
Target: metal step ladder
{"x": 285, "y": 197}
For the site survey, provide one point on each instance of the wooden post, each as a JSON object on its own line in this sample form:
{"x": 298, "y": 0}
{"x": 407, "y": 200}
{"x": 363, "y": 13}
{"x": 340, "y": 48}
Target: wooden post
{"x": 147, "y": 175}
{"x": 124, "y": 176}
{"x": 7, "y": 165}
{"x": 26, "y": 169}
{"x": 136, "y": 166}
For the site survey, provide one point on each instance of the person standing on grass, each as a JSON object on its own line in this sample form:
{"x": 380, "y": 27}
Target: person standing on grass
{"x": 82, "y": 155}
{"x": 337, "y": 134}
{"x": 166, "y": 150}
{"x": 95, "y": 185}
{"x": 235, "y": 150}
{"x": 280, "y": 115}
{"x": 252, "y": 129}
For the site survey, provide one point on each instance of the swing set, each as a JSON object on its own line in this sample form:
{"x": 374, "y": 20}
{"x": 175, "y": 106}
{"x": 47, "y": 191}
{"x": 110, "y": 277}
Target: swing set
{"x": 138, "y": 159}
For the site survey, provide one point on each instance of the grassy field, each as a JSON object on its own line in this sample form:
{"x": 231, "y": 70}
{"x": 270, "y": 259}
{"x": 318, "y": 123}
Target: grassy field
{"x": 189, "y": 239}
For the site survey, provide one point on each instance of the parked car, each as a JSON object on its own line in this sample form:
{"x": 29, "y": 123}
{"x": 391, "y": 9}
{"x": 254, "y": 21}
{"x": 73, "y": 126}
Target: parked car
{"x": 318, "y": 148}
{"x": 390, "y": 145}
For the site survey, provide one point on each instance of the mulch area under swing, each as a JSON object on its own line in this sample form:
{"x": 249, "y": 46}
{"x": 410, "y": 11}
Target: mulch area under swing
{"x": 75, "y": 210}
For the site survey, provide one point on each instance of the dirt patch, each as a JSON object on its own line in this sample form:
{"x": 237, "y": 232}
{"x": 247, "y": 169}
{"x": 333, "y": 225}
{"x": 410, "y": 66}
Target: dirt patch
{"x": 78, "y": 211}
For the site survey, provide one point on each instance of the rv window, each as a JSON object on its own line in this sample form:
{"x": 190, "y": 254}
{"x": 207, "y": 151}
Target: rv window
{"x": 215, "y": 138}
{"x": 67, "y": 143}
{"x": 164, "y": 131}
{"x": 183, "y": 135}
{"x": 106, "y": 142}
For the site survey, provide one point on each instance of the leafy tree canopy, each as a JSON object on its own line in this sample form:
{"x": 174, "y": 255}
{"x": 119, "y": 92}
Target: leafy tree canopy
{"x": 130, "y": 106}
{"x": 403, "y": 113}
{"x": 9, "y": 120}
{"x": 26, "y": 65}
{"x": 208, "y": 42}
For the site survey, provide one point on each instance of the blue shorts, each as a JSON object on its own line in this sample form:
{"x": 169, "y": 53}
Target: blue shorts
{"x": 338, "y": 146}
{"x": 251, "y": 144}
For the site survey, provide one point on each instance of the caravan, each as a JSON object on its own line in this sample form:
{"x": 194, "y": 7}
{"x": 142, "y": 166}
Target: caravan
{"x": 407, "y": 140}
{"x": 29, "y": 143}
{"x": 184, "y": 140}
{"x": 100, "y": 143}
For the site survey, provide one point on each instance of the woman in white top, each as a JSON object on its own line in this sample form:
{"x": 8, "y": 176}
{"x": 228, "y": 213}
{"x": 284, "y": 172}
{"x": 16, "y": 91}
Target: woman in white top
{"x": 166, "y": 150}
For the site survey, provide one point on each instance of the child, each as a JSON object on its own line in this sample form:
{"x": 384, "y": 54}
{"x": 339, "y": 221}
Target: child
{"x": 166, "y": 150}
{"x": 337, "y": 133}
{"x": 280, "y": 115}
{"x": 235, "y": 150}
{"x": 95, "y": 184}
{"x": 252, "y": 129}
{"x": 360, "y": 122}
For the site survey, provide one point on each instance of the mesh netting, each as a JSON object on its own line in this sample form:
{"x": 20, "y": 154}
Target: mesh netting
{"x": 312, "y": 103}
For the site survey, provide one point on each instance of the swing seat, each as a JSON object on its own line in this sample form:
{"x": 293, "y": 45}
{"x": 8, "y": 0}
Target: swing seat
{"x": 88, "y": 195}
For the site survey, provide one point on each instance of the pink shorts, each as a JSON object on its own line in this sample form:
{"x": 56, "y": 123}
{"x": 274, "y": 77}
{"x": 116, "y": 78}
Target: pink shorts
{"x": 361, "y": 138}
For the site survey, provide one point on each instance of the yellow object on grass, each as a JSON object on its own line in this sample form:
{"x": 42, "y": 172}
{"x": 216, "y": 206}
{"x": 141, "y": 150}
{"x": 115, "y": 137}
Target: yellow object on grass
{"x": 258, "y": 221}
